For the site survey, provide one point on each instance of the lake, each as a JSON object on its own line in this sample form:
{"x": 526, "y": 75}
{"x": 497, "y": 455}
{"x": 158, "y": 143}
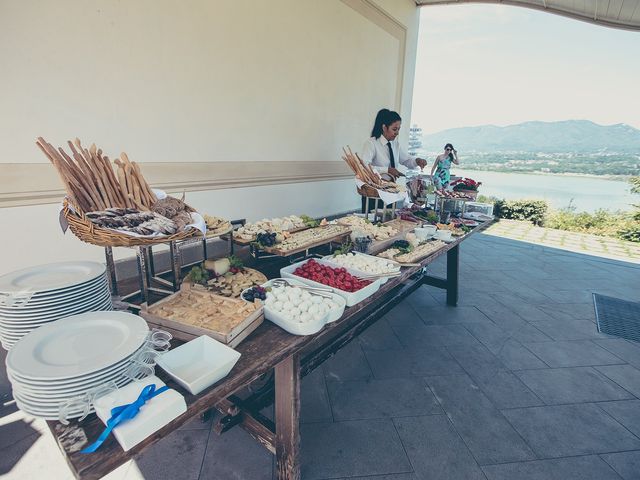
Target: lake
{"x": 585, "y": 193}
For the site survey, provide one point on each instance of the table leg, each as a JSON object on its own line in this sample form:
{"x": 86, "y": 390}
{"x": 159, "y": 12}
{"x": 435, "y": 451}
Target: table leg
{"x": 287, "y": 410}
{"x": 453, "y": 265}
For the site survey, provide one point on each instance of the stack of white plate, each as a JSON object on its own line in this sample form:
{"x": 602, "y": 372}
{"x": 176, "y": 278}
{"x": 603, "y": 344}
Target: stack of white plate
{"x": 72, "y": 356}
{"x": 39, "y": 295}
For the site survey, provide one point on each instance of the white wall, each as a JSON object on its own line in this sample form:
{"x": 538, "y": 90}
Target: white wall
{"x": 196, "y": 81}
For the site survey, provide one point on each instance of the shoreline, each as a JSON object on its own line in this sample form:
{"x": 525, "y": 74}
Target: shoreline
{"x": 617, "y": 178}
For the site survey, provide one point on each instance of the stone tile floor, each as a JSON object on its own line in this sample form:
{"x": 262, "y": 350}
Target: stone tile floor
{"x": 574, "y": 241}
{"x": 514, "y": 383}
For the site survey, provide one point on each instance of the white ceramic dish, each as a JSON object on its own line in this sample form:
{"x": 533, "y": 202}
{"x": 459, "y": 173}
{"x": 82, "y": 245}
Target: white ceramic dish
{"x": 77, "y": 345}
{"x": 199, "y": 363}
{"x": 334, "y": 314}
{"x": 444, "y": 235}
{"x": 425, "y": 233}
{"x": 54, "y": 276}
{"x": 350, "y": 298}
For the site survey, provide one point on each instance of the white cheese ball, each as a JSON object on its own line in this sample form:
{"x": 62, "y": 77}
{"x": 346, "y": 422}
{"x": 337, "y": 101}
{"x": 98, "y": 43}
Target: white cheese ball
{"x": 318, "y": 316}
{"x": 313, "y": 309}
{"x": 287, "y": 306}
{"x": 305, "y": 317}
{"x": 277, "y": 306}
{"x": 295, "y": 312}
{"x": 315, "y": 299}
{"x": 305, "y": 295}
{"x": 304, "y": 305}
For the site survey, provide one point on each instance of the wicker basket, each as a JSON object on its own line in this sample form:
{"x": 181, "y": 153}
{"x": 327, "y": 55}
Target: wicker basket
{"x": 368, "y": 191}
{"x": 89, "y": 232}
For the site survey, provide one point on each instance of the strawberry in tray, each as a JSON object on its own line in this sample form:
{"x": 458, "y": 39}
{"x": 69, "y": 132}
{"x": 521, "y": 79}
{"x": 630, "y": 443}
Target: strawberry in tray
{"x": 333, "y": 277}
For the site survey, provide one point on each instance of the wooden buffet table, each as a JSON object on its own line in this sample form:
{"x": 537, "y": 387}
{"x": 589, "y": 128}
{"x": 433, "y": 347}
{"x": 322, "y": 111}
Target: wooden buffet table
{"x": 268, "y": 350}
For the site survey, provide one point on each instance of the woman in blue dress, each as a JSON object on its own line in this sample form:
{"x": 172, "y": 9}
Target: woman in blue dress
{"x": 442, "y": 167}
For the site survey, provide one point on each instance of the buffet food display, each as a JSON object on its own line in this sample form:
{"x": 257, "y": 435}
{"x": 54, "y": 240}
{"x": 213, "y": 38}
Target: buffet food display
{"x": 249, "y": 232}
{"x": 305, "y": 239}
{"x": 365, "y": 263}
{"x": 406, "y": 253}
{"x": 365, "y": 227}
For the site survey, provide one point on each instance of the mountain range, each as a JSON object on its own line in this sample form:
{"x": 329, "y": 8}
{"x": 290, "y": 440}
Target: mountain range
{"x": 581, "y": 136}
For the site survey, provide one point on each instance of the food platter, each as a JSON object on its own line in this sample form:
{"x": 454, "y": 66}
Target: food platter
{"x": 306, "y": 239}
{"x": 402, "y": 226}
{"x": 194, "y": 311}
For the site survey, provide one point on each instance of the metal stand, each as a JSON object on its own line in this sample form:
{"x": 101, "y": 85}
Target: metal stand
{"x": 387, "y": 210}
{"x": 152, "y": 282}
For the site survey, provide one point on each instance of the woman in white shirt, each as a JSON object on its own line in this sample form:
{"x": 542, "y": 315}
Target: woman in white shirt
{"x": 383, "y": 150}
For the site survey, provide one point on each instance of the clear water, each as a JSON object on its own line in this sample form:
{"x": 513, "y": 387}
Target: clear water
{"x": 585, "y": 193}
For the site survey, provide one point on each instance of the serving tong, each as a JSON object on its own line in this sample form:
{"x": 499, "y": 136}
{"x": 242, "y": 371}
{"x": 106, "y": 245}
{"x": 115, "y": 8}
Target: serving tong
{"x": 320, "y": 291}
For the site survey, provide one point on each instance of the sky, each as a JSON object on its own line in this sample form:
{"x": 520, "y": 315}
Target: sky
{"x": 501, "y": 65}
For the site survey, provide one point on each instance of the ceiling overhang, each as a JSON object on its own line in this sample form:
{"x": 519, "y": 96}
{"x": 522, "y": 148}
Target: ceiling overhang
{"x": 622, "y": 14}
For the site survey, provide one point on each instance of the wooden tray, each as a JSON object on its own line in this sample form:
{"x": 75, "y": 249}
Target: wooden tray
{"x": 403, "y": 227}
{"x": 187, "y": 332}
{"x": 282, "y": 253}
{"x": 242, "y": 241}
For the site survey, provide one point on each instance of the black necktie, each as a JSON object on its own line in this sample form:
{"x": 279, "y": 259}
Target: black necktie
{"x": 391, "y": 159}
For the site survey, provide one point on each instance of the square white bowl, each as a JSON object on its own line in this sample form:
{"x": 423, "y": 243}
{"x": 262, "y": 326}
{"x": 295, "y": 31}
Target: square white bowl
{"x": 199, "y": 363}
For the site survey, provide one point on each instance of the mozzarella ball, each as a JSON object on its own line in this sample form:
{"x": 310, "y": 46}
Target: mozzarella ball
{"x": 315, "y": 299}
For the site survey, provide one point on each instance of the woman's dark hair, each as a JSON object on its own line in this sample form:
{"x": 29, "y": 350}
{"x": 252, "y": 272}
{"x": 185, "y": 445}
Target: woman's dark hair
{"x": 384, "y": 117}
{"x": 448, "y": 145}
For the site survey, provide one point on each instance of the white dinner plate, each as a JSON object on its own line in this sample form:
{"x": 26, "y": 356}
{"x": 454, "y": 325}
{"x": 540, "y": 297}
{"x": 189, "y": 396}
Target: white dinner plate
{"x": 45, "y": 297}
{"x": 35, "y": 303}
{"x": 53, "y": 386}
{"x": 54, "y": 276}
{"x": 89, "y": 299}
{"x": 37, "y": 320}
{"x": 45, "y": 399}
{"x": 77, "y": 345}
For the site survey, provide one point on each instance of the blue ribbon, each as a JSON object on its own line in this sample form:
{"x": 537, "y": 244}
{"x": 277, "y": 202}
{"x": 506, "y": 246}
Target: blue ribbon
{"x": 124, "y": 413}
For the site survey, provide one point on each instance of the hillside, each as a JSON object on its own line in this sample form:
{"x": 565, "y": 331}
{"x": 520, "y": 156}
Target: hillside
{"x": 577, "y": 136}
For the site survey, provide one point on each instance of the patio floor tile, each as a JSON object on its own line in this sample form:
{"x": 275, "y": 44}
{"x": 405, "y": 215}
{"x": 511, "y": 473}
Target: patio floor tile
{"x": 435, "y": 449}
{"x": 572, "y": 354}
{"x": 569, "y": 430}
{"x": 416, "y": 336}
{"x": 484, "y": 429}
{"x": 627, "y": 464}
{"x": 314, "y": 400}
{"x": 626, "y": 412}
{"x": 572, "y": 385}
{"x": 348, "y": 364}
{"x": 578, "y": 468}
{"x": 234, "y": 455}
{"x": 354, "y": 448}
{"x": 570, "y": 329}
{"x": 394, "y": 397}
{"x": 626, "y": 376}
{"x": 412, "y": 362}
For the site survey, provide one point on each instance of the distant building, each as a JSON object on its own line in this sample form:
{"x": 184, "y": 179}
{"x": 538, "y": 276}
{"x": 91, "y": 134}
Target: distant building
{"x": 415, "y": 139}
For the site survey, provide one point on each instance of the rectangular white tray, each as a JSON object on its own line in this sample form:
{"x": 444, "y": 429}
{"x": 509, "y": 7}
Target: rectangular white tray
{"x": 383, "y": 280}
{"x": 351, "y": 298}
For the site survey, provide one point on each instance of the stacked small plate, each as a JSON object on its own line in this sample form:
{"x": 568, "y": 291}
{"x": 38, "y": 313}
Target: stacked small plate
{"x": 71, "y": 357}
{"x": 35, "y": 296}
